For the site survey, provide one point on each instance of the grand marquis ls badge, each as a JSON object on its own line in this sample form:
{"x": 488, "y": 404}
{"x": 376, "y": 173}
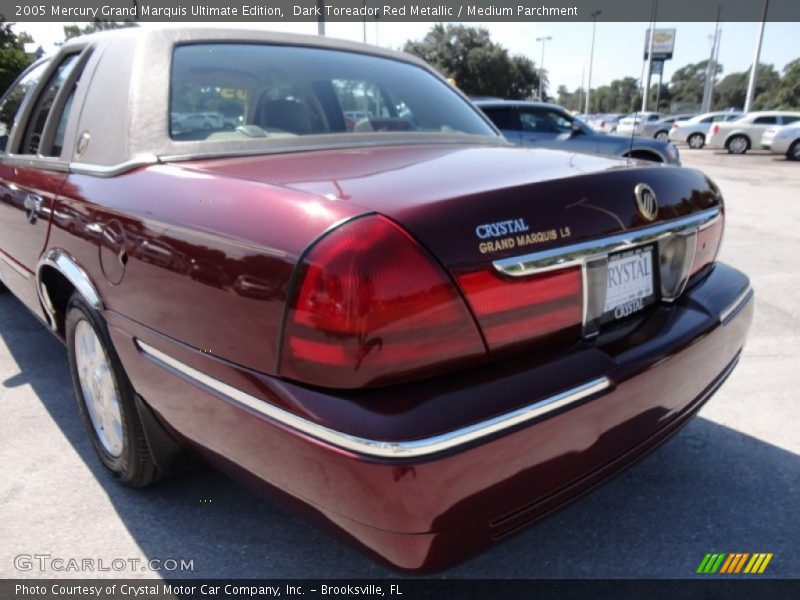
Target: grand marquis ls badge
{"x": 646, "y": 200}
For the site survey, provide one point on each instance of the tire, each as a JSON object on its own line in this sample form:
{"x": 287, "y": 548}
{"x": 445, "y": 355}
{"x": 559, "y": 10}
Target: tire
{"x": 696, "y": 141}
{"x": 106, "y": 398}
{"x": 793, "y": 153}
{"x": 737, "y": 144}
{"x": 662, "y": 136}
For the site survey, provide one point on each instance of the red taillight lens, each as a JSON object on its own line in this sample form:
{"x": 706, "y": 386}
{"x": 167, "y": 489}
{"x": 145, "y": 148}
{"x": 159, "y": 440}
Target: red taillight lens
{"x": 714, "y": 129}
{"x": 675, "y": 125}
{"x": 707, "y": 245}
{"x": 513, "y": 311}
{"x": 371, "y": 307}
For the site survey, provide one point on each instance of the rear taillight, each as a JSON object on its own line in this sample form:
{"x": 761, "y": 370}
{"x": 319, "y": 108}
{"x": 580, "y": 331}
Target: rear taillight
{"x": 512, "y": 311}
{"x": 714, "y": 129}
{"x": 370, "y": 306}
{"x": 675, "y": 125}
{"x": 707, "y": 244}
{"x": 683, "y": 255}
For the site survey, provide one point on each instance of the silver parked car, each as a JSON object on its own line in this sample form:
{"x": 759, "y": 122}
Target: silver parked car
{"x": 694, "y": 131}
{"x": 634, "y": 123}
{"x": 541, "y": 125}
{"x": 660, "y": 129}
{"x": 783, "y": 140}
{"x": 606, "y": 123}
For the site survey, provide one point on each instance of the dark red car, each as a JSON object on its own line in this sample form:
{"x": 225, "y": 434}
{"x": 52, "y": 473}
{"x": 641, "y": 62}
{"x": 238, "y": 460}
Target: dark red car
{"x": 317, "y": 264}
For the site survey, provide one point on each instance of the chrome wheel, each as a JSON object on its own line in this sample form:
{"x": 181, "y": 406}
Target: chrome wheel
{"x": 696, "y": 141}
{"x": 98, "y": 387}
{"x": 738, "y": 145}
{"x": 662, "y": 136}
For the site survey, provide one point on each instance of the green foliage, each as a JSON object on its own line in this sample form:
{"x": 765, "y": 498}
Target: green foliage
{"x": 71, "y": 31}
{"x": 13, "y": 59}
{"x": 620, "y": 96}
{"x": 731, "y": 92}
{"x": 685, "y": 91}
{"x": 687, "y": 83}
{"x": 479, "y": 66}
{"x": 570, "y": 100}
{"x": 787, "y": 92}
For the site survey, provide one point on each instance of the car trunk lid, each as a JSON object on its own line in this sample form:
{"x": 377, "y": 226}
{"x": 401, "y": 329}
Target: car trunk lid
{"x": 482, "y": 210}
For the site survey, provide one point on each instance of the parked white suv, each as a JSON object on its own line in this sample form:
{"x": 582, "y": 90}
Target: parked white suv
{"x": 737, "y": 137}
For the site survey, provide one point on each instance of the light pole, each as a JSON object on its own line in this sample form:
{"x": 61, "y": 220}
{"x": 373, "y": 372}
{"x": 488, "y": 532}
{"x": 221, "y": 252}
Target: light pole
{"x": 751, "y": 86}
{"x": 594, "y": 16}
{"x": 541, "y": 66}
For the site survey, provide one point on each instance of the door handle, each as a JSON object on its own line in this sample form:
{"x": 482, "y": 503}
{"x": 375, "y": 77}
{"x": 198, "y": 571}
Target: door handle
{"x": 32, "y": 204}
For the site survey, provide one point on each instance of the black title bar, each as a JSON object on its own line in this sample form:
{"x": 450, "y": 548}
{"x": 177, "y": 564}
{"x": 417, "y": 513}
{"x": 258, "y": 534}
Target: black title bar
{"x": 400, "y": 589}
{"x": 395, "y": 11}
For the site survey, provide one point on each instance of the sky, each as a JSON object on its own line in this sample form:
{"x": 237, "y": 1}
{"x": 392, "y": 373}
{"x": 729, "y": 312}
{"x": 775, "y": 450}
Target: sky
{"x": 617, "y": 53}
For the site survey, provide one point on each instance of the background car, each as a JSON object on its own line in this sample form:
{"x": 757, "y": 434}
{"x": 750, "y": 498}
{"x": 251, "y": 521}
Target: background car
{"x": 634, "y": 123}
{"x": 606, "y": 123}
{"x": 542, "y": 125}
{"x": 202, "y": 120}
{"x": 737, "y": 137}
{"x": 783, "y": 140}
{"x": 660, "y": 129}
{"x": 694, "y": 131}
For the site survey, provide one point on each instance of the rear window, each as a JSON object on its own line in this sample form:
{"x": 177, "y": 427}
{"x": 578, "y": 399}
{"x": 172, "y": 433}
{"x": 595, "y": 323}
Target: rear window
{"x": 238, "y": 91}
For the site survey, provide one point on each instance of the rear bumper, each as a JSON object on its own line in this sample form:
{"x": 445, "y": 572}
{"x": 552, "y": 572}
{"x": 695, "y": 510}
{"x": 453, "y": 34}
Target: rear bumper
{"x": 428, "y": 510}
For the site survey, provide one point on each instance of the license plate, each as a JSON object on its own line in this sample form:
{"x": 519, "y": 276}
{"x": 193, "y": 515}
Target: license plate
{"x": 629, "y": 286}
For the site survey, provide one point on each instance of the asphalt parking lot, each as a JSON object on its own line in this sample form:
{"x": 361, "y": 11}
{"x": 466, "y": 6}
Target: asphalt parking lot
{"x": 729, "y": 482}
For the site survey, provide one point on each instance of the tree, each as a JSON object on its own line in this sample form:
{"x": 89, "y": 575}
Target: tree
{"x": 479, "y": 66}
{"x": 731, "y": 92}
{"x": 787, "y": 93}
{"x": 688, "y": 83}
{"x": 13, "y": 59}
{"x": 621, "y": 96}
{"x": 570, "y": 100}
{"x": 71, "y": 31}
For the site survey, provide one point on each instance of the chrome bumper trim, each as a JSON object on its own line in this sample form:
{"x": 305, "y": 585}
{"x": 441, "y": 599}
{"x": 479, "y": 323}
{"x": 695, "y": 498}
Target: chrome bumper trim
{"x": 379, "y": 448}
{"x": 576, "y": 254}
{"x": 734, "y": 306}
{"x": 597, "y": 252}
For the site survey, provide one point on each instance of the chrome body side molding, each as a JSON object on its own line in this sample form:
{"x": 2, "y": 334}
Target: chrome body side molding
{"x": 373, "y": 448}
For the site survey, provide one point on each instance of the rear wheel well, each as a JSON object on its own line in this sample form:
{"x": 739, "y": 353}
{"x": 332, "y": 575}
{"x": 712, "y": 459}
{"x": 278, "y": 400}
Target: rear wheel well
{"x": 56, "y": 291}
{"x": 644, "y": 155}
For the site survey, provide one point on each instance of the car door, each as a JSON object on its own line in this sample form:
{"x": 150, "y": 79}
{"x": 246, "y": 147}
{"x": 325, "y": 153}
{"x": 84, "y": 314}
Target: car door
{"x": 547, "y": 127}
{"x": 761, "y": 124}
{"x": 539, "y": 129}
{"x": 32, "y": 172}
{"x": 505, "y": 118}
